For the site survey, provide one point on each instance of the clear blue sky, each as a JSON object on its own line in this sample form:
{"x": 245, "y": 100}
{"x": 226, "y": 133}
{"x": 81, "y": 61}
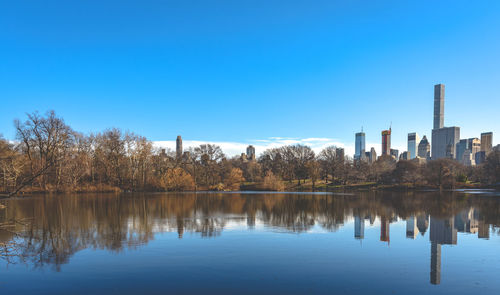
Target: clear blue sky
{"x": 246, "y": 70}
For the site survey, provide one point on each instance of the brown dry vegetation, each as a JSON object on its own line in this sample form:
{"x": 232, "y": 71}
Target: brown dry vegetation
{"x": 49, "y": 156}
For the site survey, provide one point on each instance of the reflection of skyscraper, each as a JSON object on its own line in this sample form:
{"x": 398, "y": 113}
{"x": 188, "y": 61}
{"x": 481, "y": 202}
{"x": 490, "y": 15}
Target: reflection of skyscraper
{"x": 466, "y": 222}
{"x": 384, "y": 229}
{"x": 411, "y": 227}
{"x": 422, "y": 223}
{"x": 359, "y": 227}
{"x": 435, "y": 263}
{"x": 483, "y": 230}
{"x": 442, "y": 231}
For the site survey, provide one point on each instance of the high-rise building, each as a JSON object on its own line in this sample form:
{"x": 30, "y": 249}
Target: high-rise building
{"x": 486, "y": 142}
{"x": 404, "y": 156}
{"x": 424, "y": 148}
{"x": 339, "y": 153}
{"x": 480, "y": 157}
{"x": 474, "y": 144}
{"x": 444, "y": 142}
{"x": 444, "y": 139}
{"x": 438, "y": 106}
{"x": 360, "y": 145}
{"x": 373, "y": 155}
{"x": 468, "y": 159}
{"x": 178, "y": 147}
{"x": 251, "y": 153}
{"x": 386, "y": 142}
{"x": 462, "y": 146}
{"x": 413, "y": 141}
{"x": 395, "y": 153}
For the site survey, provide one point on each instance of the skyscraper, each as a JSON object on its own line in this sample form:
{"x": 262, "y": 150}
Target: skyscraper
{"x": 438, "y": 106}
{"x": 462, "y": 146}
{"x": 251, "y": 153}
{"x": 178, "y": 147}
{"x": 395, "y": 153}
{"x": 360, "y": 145}
{"x": 424, "y": 148}
{"x": 444, "y": 139}
{"x": 413, "y": 141}
{"x": 386, "y": 142}
{"x": 486, "y": 142}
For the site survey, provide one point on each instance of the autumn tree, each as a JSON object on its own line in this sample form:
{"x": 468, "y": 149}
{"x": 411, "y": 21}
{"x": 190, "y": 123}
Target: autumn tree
{"x": 234, "y": 179}
{"x": 176, "y": 179}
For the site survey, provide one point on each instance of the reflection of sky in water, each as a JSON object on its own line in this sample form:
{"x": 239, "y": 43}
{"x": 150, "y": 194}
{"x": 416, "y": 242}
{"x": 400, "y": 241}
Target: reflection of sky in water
{"x": 251, "y": 244}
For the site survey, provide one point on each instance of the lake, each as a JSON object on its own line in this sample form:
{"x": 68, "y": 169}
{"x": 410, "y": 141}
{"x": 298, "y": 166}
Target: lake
{"x": 252, "y": 243}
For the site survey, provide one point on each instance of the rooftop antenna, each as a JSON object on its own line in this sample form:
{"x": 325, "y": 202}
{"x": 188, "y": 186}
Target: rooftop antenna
{"x": 361, "y": 128}
{"x": 390, "y": 126}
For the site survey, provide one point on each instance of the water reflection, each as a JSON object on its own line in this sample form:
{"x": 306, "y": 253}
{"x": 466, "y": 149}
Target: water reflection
{"x": 47, "y": 231}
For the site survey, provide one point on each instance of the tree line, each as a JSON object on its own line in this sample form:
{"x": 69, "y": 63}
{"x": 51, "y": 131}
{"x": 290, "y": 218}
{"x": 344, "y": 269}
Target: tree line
{"x": 49, "y": 156}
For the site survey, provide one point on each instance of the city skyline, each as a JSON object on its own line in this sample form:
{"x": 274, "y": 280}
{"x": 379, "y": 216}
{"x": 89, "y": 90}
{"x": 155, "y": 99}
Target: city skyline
{"x": 297, "y": 71}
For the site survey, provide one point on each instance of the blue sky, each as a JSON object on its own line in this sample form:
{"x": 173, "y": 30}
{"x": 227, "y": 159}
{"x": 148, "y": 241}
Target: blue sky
{"x": 252, "y": 71}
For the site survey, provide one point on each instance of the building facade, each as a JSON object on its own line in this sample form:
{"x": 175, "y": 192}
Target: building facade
{"x": 251, "y": 153}
{"x": 360, "y": 145}
{"x": 178, "y": 147}
{"x": 424, "y": 148}
{"x": 395, "y": 153}
{"x": 413, "y": 141}
{"x": 444, "y": 141}
{"x": 486, "y": 142}
{"x": 438, "y": 106}
{"x": 386, "y": 142}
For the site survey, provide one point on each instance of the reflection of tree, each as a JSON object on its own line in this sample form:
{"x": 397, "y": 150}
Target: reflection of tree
{"x": 49, "y": 230}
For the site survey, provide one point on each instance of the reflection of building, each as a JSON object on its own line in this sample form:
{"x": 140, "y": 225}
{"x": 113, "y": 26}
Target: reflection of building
{"x": 178, "y": 147}
{"x": 359, "y": 227}
{"x": 386, "y": 142}
{"x": 422, "y": 223}
{"x": 413, "y": 142}
{"x": 384, "y": 229}
{"x": 435, "y": 263}
{"x": 411, "y": 227}
{"x": 442, "y": 232}
{"x": 483, "y": 230}
{"x": 360, "y": 145}
{"x": 466, "y": 221}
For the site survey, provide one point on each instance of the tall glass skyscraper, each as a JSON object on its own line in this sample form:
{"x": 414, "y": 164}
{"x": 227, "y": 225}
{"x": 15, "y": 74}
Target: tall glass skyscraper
{"x": 360, "y": 145}
{"x": 413, "y": 141}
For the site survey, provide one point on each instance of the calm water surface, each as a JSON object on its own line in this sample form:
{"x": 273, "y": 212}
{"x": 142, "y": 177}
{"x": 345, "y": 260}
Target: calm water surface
{"x": 252, "y": 243}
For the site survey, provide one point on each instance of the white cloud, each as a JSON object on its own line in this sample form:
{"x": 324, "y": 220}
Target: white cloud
{"x": 236, "y": 148}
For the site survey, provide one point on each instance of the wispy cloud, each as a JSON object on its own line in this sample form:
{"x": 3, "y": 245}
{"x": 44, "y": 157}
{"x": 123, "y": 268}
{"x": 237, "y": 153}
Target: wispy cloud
{"x": 236, "y": 148}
